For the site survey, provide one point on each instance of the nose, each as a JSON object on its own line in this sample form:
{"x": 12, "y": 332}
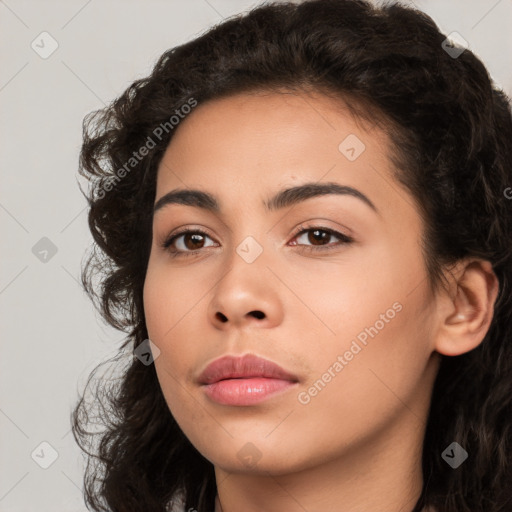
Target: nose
{"x": 246, "y": 295}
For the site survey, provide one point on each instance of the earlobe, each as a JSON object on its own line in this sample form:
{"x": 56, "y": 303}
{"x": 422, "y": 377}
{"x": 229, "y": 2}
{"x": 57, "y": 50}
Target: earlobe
{"x": 467, "y": 308}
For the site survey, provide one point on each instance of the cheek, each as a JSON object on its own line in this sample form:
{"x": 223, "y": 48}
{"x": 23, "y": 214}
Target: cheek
{"x": 376, "y": 319}
{"x": 366, "y": 376}
{"x": 171, "y": 297}
{"x": 173, "y": 307}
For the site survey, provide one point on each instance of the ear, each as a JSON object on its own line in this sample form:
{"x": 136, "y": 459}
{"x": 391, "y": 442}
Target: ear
{"x": 465, "y": 310}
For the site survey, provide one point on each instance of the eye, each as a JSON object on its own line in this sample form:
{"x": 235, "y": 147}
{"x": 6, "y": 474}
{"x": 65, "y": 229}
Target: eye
{"x": 319, "y": 236}
{"x": 191, "y": 241}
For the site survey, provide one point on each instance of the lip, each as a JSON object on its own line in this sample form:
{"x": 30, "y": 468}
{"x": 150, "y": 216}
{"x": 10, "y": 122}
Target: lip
{"x": 245, "y": 380}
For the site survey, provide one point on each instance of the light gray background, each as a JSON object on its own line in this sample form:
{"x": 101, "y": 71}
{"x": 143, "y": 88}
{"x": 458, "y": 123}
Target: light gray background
{"x": 51, "y": 335}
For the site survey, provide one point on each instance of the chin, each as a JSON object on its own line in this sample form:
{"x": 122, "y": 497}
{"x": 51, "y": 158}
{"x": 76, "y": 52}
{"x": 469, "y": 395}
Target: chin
{"x": 246, "y": 456}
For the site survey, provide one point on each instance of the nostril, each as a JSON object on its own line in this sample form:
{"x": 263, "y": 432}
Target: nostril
{"x": 221, "y": 317}
{"x": 258, "y": 314}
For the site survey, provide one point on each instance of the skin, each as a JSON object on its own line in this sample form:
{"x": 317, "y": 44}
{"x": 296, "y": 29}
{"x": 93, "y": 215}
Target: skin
{"x": 356, "y": 445}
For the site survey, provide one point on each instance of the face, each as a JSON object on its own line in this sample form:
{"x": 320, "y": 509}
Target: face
{"x": 331, "y": 286}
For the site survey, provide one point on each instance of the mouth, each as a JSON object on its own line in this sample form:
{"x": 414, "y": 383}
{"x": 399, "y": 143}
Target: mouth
{"x": 246, "y": 380}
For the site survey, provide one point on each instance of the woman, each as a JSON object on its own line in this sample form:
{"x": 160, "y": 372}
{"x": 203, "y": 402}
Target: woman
{"x": 306, "y": 236}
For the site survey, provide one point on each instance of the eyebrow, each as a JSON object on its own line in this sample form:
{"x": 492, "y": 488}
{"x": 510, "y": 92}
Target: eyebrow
{"x": 283, "y": 199}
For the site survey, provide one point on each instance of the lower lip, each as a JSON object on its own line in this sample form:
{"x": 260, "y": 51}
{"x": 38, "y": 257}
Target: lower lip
{"x": 245, "y": 391}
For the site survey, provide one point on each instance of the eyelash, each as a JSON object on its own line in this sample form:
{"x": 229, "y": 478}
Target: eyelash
{"x": 344, "y": 240}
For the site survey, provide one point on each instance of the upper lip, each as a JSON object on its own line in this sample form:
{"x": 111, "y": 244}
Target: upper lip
{"x": 247, "y": 366}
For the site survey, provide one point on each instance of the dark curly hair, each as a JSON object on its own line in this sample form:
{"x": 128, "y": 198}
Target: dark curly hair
{"x": 451, "y": 132}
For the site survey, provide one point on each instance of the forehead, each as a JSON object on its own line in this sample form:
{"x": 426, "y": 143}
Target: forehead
{"x": 250, "y": 145}
{"x": 255, "y": 129}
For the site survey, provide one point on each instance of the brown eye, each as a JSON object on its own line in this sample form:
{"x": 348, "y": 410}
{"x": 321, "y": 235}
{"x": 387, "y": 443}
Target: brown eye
{"x": 193, "y": 241}
{"x": 185, "y": 242}
{"x": 320, "y": 237}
